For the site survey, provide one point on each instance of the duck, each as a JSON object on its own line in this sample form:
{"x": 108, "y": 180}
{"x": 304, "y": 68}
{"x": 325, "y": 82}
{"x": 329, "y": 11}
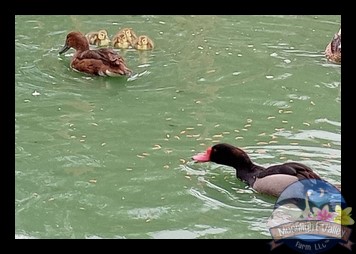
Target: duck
{"x": 272, "y": 180}
{"x": 120, "y": 41}
{"x": 99, "y": 38}
{"x": 143, "y": 42}
{"x": 333, "y": 49}
{"x": 101, "y": 62}
{"x": 130, "y": 35}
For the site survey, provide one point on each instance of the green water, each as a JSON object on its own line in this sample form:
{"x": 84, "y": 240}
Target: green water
{"x": 110, "y": 157}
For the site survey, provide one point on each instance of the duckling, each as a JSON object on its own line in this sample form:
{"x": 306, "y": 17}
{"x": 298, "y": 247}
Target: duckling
{"x": 130, "y": 34}
{"x": 99, "y": 38}
{"x": 333, "y": 49}
{"x": 120, "y": 41}
{"x": 143, "y": 43}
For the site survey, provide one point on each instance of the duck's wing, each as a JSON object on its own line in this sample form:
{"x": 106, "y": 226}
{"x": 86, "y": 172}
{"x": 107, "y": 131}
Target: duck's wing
{"x": 291, "y": 168}
{"x": 106, "y": 55}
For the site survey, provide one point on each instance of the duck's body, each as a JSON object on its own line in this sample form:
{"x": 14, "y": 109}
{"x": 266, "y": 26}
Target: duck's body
{"x": 272, "y": 180}
{"x": 143, "y": 42}
{"x": 102, "y": 62}
{"x": 333, "y": 49}
{"x": 99, "y": 38}
{"x": 120, "y": 41}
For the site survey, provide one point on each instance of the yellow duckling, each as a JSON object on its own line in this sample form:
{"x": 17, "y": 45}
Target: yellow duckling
{"x": 100, "y": 38}
{"x": 333, "y": 49}
{"x": 143, "y": 43}
{"x": 120, "y": 41}
{"x": 130, "y": 34}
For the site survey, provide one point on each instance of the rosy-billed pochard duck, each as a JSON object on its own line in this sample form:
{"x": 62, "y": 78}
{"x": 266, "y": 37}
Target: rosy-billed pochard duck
{"x": 333, "y": 49}
{"x": 99, "y": 38}
{"x": 272, "y": 180}
{"x": 143, "y": 42}
{"x": 102, "y": 62}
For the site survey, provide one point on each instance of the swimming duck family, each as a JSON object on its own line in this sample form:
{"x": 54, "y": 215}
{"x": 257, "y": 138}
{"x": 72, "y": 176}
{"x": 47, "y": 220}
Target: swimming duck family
{"x": 102, "y": 62}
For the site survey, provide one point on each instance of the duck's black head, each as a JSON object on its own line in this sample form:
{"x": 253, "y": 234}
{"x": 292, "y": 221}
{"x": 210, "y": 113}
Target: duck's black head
{"x": 225, "y": 154}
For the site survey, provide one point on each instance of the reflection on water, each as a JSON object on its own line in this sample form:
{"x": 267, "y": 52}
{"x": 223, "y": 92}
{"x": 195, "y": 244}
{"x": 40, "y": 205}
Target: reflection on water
{"x": 111, "y": 157}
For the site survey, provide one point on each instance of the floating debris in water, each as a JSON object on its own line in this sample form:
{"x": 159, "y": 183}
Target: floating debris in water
{"x": 35, "y": 93}
{"x": 269, "y": 77}
{"x": 156, "y": 147}
{"x": 92, "y": 181}
{"x": 236, "y": 73}
{"x": 288, "y": 112}
{"x": 200, "y": 47}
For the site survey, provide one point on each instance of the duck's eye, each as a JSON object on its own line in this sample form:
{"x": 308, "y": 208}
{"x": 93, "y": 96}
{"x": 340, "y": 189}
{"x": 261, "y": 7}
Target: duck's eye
{"x": 128, "y": 33}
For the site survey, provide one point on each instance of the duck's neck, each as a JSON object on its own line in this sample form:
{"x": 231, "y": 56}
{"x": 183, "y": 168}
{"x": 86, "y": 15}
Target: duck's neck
{"x": 248, "y": 173}
{"x": 82, "y": 47}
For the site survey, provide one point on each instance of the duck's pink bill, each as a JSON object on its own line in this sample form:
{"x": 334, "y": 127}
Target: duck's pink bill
{"x": 202, "y": 157}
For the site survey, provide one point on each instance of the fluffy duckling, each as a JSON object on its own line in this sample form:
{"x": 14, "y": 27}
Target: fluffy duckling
{"x": 333, "y": 49}
{"x": 99, "y": 38}
{"x": 120, "y": 41}
{"x": 143, "y": 43}
{"x": 130, "y": 34}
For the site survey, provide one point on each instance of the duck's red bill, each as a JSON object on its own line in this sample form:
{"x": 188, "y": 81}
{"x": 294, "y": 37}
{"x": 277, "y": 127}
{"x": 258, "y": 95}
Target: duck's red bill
{"x": 202, "y": 157}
